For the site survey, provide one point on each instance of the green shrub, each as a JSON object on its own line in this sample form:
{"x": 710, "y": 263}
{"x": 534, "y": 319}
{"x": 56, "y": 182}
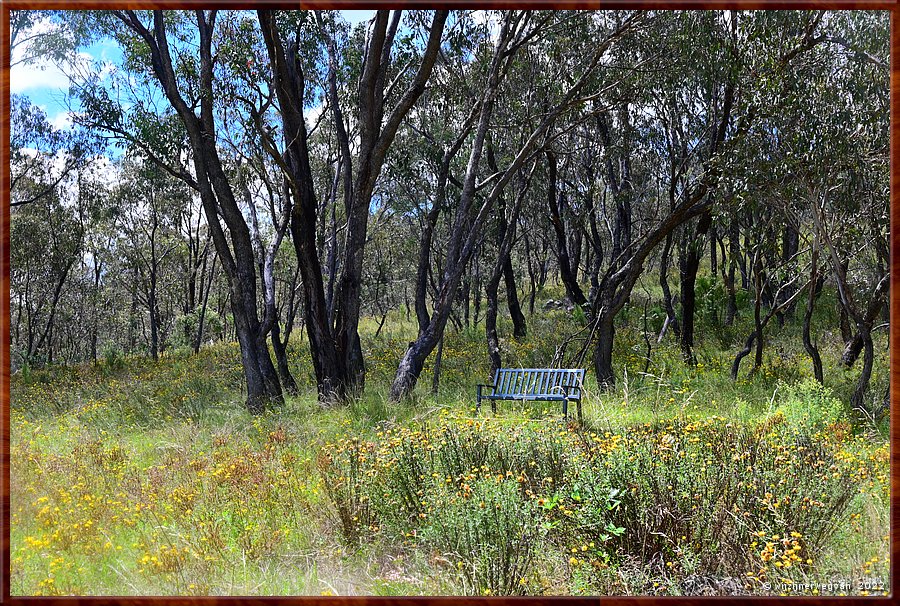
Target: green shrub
{"x": 704, "y": 490}
{"x": 489, "y": 532}
{"x": 810, "y": 407}
{"x": 113, "y": 359}
{"x": 344, "y": 478}
{"x": 186, "y": 327}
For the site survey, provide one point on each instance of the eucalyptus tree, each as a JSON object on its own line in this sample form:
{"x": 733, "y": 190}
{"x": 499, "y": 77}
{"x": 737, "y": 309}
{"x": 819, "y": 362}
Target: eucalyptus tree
{"x": 693, "y": 107}
{"x": 818, "y": 165}
{"x": 41, "y": 36}
{"x": 41, "y": 156}
{"x": 844, "y": 182}
{"x": 50, "y": 242}
{"x": 337, "y": 353}
{"x": 686, "y": 138}
{"x": 507, "y": 222}
{"x": 148, "y": 203}
{"x": 172, "y": 77}
{"x": 515, "y": 31}
{"x": 639, "y": 220}
{"x": 47, "y": 240}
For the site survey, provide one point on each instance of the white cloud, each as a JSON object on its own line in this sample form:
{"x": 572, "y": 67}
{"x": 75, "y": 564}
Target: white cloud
{"x": 41, "y": 74}
{"x": 45, "y": 74}
{"x": 105, "y": 171}
{"x": 313, "y": 113}
{"x": 62, "y": 120}
{"x": 30, "y": 72}
{"x": 483, "y": 17}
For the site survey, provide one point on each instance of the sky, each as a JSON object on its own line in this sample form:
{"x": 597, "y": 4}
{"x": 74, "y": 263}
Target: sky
{"x": 46, "y": 85}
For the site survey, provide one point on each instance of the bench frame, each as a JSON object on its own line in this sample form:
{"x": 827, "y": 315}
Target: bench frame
{"x": 542, "y": 384}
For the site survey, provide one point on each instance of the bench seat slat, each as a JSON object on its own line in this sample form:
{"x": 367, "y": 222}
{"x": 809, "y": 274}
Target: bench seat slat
{"x": 548, "y": 397}
{"x": 531, "y": 384}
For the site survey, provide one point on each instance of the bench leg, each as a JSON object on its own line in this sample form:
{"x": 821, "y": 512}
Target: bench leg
{"x": 494, "y": 406}
{"x": 566, "y": 408}
{"x": 580, "y": 418}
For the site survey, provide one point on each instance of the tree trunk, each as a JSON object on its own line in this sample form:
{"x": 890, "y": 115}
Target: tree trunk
{"x": 202, "y": 317}
{"x": 507, "y": 234}
{"x": 376, "y": 133}
{"x": 858, "y": 399}
{"x": 96, "y": 294}
{"x": 790, "y": 244}
{"x": 748, "y": 347}
{"x": 466, "y": 229}
{"x": 520, "y": 329}
{"x": 490, "y": 325}
{"x": 504, "y": 258}
{"x": 846, "y": 330}
{"x": 47, "y": 335}
{"x": 464, "y": 299}
{"x": 532, "y": 277}
{"x": 476, "y": 289}
{"x": 328, "y": 364}
{"x": 757, "y": 322}
{"x": 671, "y": 318}
{"x": 154, "y": 325}
{"x": 856, "y": 343}
{"x": 760, "y": 324}
{"x": 217, "y": 196}
{"x": 689, "y": 265}
{"x": 734, "y": 252}
{"x": 436, "y": 376}
{"x": 422, "y": 315}
{"x": 811, "y": 348}
{"x": 554, "y": 201}
{"x": 280, "y": 349}
{"x": 603, "y": 367}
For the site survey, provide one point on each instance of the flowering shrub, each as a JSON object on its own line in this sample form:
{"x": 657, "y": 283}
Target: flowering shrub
{"x": 688, "y": 492}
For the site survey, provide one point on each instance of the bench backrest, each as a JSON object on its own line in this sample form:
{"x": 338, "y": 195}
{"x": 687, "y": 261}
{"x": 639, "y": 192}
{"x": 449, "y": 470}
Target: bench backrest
{"x": 537, "y": 381}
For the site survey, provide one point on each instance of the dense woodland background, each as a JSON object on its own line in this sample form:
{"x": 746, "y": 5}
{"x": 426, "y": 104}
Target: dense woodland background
{"x": 246, "y": 176}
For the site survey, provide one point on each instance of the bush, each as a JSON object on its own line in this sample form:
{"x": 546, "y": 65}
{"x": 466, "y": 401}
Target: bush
{"x": 810, "y": 407}
{"x": 684, "y": 499}
{"x": 113, "y": 359}
{"x": 489, "y": 531}
{"x": 703, "y": 491}
{"x": 343, "y": 467}
{"x": 468, "y": 489}
{"x": 186, "y": 327}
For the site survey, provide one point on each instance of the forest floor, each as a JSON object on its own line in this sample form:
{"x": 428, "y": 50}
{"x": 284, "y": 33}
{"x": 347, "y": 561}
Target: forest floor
{"x": 141, "y": 478}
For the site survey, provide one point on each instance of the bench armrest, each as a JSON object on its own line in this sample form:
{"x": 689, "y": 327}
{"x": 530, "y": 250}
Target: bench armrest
{"x": 570, "y": 388}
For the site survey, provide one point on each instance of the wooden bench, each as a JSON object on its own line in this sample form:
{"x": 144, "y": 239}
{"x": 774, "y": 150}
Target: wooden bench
{"x": 546, "y": 384}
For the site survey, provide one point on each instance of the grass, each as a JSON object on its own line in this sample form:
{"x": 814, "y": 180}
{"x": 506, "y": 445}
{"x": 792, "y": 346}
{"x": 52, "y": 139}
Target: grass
{"x": 130, "y": 477}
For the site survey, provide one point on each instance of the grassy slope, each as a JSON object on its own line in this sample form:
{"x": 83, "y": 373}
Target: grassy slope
{"x": 136, "y": 478}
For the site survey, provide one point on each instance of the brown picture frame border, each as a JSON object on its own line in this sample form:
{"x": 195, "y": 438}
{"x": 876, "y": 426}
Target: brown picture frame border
{"x": 893, "y": 6}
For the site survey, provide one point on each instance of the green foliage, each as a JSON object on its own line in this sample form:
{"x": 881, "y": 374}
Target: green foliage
{"x": 706, "y": 488}
{"x": 665, "y": 493}
{"x": 810, "y": 407}
{"x": 113, "y": 359}
{"x": 490, "y": 534}
{"x": 345, "y": 484}
{"x": 711, "y": 298}
{"x": 680, "y": 481}
{"x": 186, "y": 325}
